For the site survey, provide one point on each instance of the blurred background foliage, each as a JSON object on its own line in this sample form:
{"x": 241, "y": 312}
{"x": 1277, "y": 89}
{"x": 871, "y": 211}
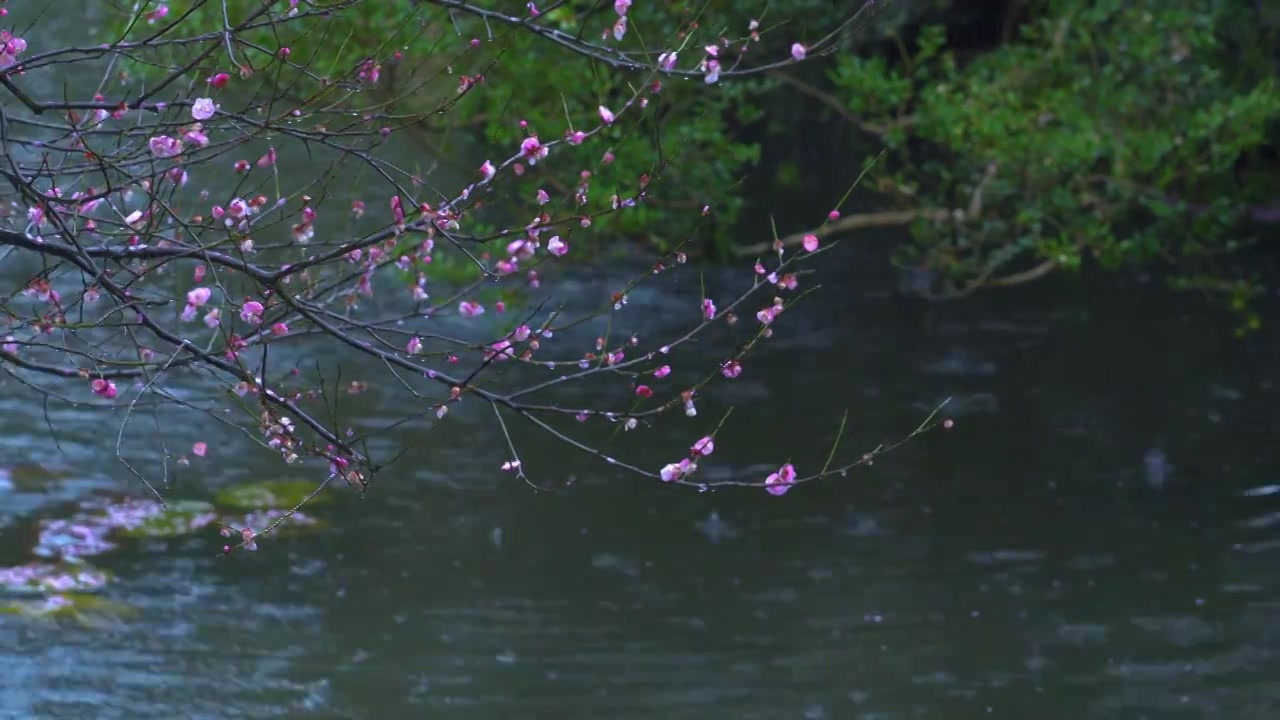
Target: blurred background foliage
{"x": 1019, "y": 137}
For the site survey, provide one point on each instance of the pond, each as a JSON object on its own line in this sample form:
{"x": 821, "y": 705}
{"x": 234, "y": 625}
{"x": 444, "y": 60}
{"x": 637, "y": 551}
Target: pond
{"x": 1097, "y": 536}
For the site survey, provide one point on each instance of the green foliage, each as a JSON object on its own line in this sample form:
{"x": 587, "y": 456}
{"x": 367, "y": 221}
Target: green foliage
{"x": 1087, "y": 135}
{"x": 684, "y": 138}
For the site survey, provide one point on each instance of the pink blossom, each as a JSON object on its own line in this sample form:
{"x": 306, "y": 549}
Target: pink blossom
{"x": 712, "y": 69}
{"x": 731, "y": 369}
{"x": 279, "y": 329}
{"x": 163, "y": 146}
{"x": 466, "y": 308}
{"x": 11, "y": 48}
{"x": 203, "y": 108}
{"x": 251, "y": 312}
{"x": 414, "y": 346}
{"x": 557, "y": 247}
{"x": 810, "y": 242}
{"x": 621, "y": 6}
{"x": 104, "y": 388}
{"x": 213, "y": 318}
{"x": 780, "y": 482}
{"x": 199, "y": 296}
{"x": 703, "y": 447}
{"x": 502, "y": 351}
{"x": 644, "y": 391}
{"x": 662, "y": 372}
{"x": 199, "y": 449}
{"x": 798, "y": 52}
{"x": 675, "y": 471}
{"x": 667, "y": 60}
{"x": 219, "y": 80}
{"x": 708, "y": 309}
{"x": 532, "y": 150}
{"x": 488, "y": 170}
{"x": 606, "y": 115}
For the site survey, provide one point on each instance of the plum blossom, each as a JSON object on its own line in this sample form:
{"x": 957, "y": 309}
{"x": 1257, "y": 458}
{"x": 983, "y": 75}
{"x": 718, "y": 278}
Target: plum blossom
{"x": 466, "y": 308}
{"x": 731, "y": 369}
{"x": 163, "y": 146}
{"x": 533, "y": 150}
{"x": 798, "y": 51}
{"x": 703, "y": 447}
{"x": 810, "y": 242}
{"x": 414, "y": 346}
{"x": 501, "y": 351}
{"x": 767, "y": 315}
{"x": 676, "y": 471}
{"x": 780, "y": 482}
{"x": 203, "y": 108}
{"x": 708, "y": 309}
{"x": 557, "y": 247}
{"x": 199, "y": 449}
{"x": 621, "y": 6}
{"x": 104, "y": 388}
{"x": 195, "y": 298}
{"x": 606, "y": 115}
{"x": 667, "y": 60}
{"x": 712, "y": 69}
{"x": 10, "y": 48}
{"x": 488, "y": 170}
{"x": 251, "y": 312}
{"x": 662, "y": 372}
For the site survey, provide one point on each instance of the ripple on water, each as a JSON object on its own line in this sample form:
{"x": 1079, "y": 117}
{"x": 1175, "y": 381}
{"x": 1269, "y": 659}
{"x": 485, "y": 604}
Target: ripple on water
{"x": 1180, "y": 630}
